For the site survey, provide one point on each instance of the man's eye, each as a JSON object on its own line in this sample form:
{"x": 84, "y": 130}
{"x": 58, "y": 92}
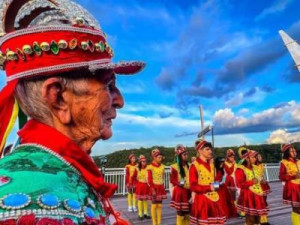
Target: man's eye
{"x": 111, "y": 86}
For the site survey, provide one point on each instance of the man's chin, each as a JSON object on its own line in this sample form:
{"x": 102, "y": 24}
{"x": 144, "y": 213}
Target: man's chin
{"x": 107, "y": 134}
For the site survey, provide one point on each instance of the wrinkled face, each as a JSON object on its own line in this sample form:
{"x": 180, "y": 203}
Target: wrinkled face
{"x": 293, "y": 153}
{"x": 184, "y": 156}
{"x": 158, "y": 159}
{"x": 231, "y": 159}
{"x": 132, "y": 159}
{"x": 206, "y": 152}
{"x": 93, "y": 111}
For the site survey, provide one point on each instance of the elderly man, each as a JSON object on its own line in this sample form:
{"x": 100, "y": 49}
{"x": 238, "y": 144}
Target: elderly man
{"x": 59, "y": 72}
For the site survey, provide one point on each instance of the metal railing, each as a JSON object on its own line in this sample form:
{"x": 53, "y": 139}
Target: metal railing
{"x": 117, "y": 176}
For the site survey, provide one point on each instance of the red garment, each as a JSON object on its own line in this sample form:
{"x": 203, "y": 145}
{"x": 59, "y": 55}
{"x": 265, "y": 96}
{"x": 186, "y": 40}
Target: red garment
{"x": 181, "y": 196}
{"x": 229, "y": 180}
{"x": 130, "y": 180}
{"x": 142, "y": 188}
{"x": 225, "y": 197}
{"x": 203, "y": 210}
{"x": 291, "y": 191}
{"x": 194, "y": 186}
{"x": 142, "y": 191}
{"x": 249, "y": 202}
{"x": 38, "y": 133}
{"x": 158, "y": 189}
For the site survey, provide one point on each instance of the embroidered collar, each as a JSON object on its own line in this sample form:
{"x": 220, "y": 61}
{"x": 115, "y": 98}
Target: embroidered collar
{"x": 38, "y": 133}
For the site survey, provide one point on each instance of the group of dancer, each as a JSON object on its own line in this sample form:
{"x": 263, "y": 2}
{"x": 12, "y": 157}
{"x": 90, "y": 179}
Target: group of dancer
{"x": 210, "y": 191}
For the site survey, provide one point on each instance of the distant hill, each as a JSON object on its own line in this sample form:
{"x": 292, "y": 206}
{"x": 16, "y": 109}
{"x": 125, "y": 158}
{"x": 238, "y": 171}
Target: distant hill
{"x": 270, "y": 153}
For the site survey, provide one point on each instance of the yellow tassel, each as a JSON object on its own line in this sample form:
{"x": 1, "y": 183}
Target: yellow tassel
{"x": 158, "y": 214}
{"x": 145, "y": 207}
{"x": 153, "y": 213}
{"x": 264, "y": 219}
{"x": 14, "y": 115}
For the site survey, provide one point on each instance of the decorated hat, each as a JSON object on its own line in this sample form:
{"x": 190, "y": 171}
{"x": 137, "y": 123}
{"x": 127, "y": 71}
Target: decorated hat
{"x": 241, "y": 149}
{"x": 40, "y": 38}
{"x": 230, "y": 153}
{"x": 200, "y": 143}
{"x": 131, "y": 155}
{"x": 250, "y": 153}
{"x": 155, "y": 153}
{"x": 142, "y": 158}
{"x": 179, "y": 149}
{"x": 285, "y": 147}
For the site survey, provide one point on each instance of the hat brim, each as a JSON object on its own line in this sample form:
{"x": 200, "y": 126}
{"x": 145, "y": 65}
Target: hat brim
{"x": 121, "y": 68}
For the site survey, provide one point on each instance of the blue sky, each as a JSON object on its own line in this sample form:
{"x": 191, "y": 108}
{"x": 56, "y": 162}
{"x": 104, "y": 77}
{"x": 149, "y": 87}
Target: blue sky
{"x": 224, "y": 54}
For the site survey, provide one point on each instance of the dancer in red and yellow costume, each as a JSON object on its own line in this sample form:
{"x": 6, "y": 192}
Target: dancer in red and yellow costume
{"x": 261, "y": 175}
{"x": 206, "y": 207}
{"x": 230, "y": 167}
{"x": 251, "y": 200}
{"x": 259, "y": 170}
{"x": 225, "y": 197}
{"x": 131, "y": 169}
{"x": 156, "y": 171}
{"x": 289, "y": 174}
{"x": 142, "y": 188}
{"x": 180, "y": 188}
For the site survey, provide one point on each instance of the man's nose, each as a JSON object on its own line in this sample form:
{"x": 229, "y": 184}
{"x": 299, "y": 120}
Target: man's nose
{"x": 118, "y": 100}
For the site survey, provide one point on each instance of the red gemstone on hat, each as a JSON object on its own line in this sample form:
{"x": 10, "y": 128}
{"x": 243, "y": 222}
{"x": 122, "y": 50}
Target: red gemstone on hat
{"x": 4, "y": 180}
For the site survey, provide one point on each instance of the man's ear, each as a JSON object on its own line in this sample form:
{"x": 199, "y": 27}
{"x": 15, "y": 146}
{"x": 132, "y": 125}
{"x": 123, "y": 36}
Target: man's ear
{"x": 53, "y": 94}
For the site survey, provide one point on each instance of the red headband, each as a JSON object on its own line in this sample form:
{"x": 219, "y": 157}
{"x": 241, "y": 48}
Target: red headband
{"x": 250, "y": 153}
{"x": 200, "y": 145}
{"x": 229, "y": 153}
{"x": 131, "y": 155}
{"x": 155, "y": 153}
{"x": 179, "y": 149}
{"x": 142, "y": 157}
{"x": 285, "y": 147}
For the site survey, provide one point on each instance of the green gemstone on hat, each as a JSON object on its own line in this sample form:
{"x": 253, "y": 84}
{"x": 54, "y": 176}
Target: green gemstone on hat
{"x": 54, "y": 47}
{"x": 102, "y": 46}
{"x": 36, "y": 48}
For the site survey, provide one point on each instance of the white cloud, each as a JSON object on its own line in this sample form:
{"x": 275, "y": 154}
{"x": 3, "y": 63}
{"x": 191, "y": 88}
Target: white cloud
{"x": 277, "y": 7}
{"x": 243, "y": 111}
{"x": 286, "y": 116}
{"x": 281, "y": 136}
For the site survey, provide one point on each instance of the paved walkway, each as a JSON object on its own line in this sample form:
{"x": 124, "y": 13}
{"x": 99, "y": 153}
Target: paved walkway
{"x": 279, "y": 213}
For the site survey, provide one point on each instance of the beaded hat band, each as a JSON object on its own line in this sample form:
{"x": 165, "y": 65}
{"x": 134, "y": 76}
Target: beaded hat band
{"x": 50, "y": 50}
